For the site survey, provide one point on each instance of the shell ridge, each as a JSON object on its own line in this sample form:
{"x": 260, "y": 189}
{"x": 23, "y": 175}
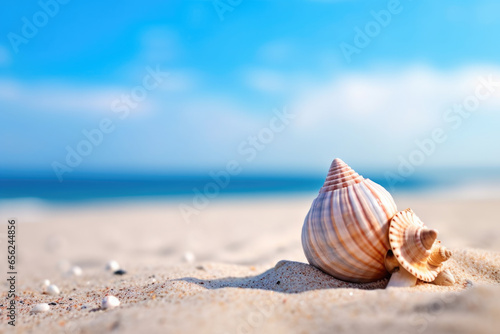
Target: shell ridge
{"x": 376, "y": 229}
{"x": 335, "y": 252}
{"x": 387, "y": 205}
{"x": 325, "y": 248}
{"x": 347, "y": 228}
{"x": 340, "y": 233}
{"x": 364, "y": 225}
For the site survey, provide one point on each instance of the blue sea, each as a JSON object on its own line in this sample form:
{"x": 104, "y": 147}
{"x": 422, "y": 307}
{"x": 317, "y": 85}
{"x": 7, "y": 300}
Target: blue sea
{"x": 97, "y": 187}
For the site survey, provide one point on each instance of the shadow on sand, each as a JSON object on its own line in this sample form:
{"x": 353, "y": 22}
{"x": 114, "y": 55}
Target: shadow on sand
{"x": 286, "y": 276}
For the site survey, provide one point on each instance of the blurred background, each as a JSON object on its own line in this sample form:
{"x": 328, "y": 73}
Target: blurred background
{"x": 159, "y": 98}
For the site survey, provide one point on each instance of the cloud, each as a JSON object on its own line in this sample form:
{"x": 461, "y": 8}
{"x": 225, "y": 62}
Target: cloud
{"x": 51, "y": 96}
{"x": 408, "y": 98}
{"x": 68, "y": 96}
{"x": 377, "y": 115}
{"x": 367, "y": 118}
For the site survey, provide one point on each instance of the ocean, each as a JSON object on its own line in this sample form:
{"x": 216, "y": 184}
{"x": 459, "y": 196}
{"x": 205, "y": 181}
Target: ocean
{"x": 97, "y": 187}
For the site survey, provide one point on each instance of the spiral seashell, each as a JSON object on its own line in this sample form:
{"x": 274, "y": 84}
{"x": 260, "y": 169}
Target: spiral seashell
{"x": 439, "y": 254}
{"x": 415, "y": 246}
{"x": 345, "y": 232}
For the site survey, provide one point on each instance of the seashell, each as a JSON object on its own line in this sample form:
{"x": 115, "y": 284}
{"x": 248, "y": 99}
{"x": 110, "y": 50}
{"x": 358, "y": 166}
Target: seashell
{"x": 39, "y": 308}
{"x": 400, "y": 277}
{"x": 53, "y": 290}
{"x": 76, "y": 271}
{"x": 414, "y": 246}
{"x": 110, "y": 302}
{"x": 444, "y": 278}
{"x": 354, "y": 233}
{"x": 189, "y": 257}
{"x": 345, "y": 231}
{"x": 439, "y": 254}
{"x": 112, "y": 266}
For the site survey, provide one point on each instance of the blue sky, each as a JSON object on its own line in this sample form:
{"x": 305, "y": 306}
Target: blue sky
{"x": 226, "y": 79}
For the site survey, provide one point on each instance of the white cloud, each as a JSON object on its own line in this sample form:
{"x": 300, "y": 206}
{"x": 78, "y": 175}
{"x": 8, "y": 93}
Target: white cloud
{"x": 368, "y": 117}
{"x": 372, "y": 117}
{"x": 57, "y": 97}
{"x": 69, "y": 97}
{"x": 411, "y": 97}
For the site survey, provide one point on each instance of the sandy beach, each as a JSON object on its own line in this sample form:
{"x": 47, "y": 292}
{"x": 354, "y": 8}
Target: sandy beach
{"x": 237, "y": 267}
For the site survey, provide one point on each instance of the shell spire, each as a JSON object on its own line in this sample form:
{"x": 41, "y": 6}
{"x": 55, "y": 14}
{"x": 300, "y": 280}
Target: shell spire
{"x": 439, "y": 254}
{"x": 339, "y": 176}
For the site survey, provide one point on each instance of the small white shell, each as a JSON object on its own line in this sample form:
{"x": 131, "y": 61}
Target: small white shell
{"x": 110, "y": 302}
{"x": 39, "y": 308}
{"x": 53, "y": 290}
{"x": 46, "y": 283}
{"x": 112, "y": 265}
{"x": 76, "y": 271}
{"x": 444, "y": 278}
{"x": 189, "y": 257}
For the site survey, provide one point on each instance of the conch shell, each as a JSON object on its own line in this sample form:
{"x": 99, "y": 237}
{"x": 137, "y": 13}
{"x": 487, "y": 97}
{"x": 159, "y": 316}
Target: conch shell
{"x": 345, "y": 231}
{"x": 355, "y": 233}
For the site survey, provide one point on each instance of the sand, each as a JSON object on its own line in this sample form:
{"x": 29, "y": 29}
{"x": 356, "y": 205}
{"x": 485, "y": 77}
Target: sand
{"x": 249, "y": 274}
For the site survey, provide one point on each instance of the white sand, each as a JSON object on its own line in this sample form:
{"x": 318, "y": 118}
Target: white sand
{"x": 249, "y": 275}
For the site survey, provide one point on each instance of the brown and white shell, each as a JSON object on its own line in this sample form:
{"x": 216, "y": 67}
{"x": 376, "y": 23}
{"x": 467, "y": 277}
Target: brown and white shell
{"x": 415, "y": 246}
{"x": 345, "y": 233}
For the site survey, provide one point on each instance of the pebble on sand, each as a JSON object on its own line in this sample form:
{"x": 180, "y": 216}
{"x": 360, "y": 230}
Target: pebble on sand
{"x": 76, "y": 271}
{"x": 110, "y": 302}
{"x": 39, "y": 308}
{"x": 189, "y": 257}
{"x": 53, "y": 290}
{"x": 46, "y": 283}
{"x": 112, "y": 266}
